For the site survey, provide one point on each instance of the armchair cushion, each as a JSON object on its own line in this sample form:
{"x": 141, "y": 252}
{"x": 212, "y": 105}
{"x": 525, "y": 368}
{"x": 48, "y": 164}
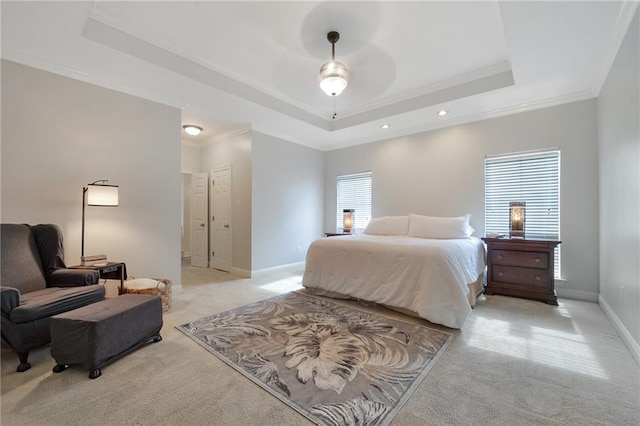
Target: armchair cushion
{"x": 54, "y": 300}
{"x": 9, "y": 299}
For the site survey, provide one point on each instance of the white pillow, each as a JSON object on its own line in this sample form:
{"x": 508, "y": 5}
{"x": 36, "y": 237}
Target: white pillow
{"x": 439, "y": 227}
{"x": 388, "y": 225}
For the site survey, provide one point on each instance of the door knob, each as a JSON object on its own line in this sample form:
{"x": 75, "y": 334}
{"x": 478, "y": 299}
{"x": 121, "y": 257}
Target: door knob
{"x": 202, "y": 224}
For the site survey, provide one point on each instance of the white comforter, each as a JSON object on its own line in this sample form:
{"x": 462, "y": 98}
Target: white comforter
{"x": 427, "y": 277}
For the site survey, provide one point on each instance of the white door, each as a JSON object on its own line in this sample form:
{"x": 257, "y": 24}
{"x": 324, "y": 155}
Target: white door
{"x": 221, "y": 218}
{"x": 200, "y": 224}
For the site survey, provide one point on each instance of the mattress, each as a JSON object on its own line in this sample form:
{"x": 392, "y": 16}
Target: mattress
{"x": 427, "y": 277}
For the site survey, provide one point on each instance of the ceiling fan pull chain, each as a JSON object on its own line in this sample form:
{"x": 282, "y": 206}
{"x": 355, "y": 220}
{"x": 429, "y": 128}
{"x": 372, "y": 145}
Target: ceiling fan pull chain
{"x": 334, "y": 108}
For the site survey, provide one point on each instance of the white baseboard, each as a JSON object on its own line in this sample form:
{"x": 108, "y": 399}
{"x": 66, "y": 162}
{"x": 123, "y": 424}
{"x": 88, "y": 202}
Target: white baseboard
{"x": 239, "y": 272}
{"x": 277, "y": 268}
{"x": 587, "y": 296}
{"x": 626, "y": 337}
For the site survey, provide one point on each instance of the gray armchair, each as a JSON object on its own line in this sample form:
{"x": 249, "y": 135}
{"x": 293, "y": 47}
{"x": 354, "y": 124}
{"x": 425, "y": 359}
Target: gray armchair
{"x": 36, "y": 284}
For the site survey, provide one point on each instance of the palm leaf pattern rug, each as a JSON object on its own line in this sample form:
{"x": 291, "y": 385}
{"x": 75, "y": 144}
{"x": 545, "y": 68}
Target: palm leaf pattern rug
{"x": 334, "y": 364}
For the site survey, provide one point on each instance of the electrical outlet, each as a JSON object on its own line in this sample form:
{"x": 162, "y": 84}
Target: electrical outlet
{"x": 621, "y": 293}
{"x": 299, "y": 249}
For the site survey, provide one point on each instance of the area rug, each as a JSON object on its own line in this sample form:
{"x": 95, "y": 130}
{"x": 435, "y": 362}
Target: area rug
{"x": 334, "y": 364}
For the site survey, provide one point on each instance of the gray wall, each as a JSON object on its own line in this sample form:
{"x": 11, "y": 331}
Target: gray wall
{"x": 619, "y": 148}
{"x": 59, "y": 134}
{"x": 441, "y": 173}
{"x": 235, "y": 151}
{"x": 288, "y": 197}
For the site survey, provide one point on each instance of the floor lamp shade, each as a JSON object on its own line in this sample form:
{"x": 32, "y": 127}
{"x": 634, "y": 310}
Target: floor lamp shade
{"x": 100, "y": 194}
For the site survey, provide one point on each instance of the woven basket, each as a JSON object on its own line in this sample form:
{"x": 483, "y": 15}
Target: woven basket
{"x": 153, "y": 286}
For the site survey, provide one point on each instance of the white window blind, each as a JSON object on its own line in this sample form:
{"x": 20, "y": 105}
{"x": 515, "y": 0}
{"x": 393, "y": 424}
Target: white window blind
{"x": 530, "y": 177}
{"x": 354, "y": 192}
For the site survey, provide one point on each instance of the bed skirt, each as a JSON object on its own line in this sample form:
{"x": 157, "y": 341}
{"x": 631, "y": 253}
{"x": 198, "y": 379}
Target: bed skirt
{"x": 475, "y": 289}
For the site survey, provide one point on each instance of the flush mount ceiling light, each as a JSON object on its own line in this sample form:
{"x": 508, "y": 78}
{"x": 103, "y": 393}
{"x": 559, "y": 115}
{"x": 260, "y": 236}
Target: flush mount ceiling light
{"x": 385, "y": 126}
{"x": 192, "y": 130}
{"x": 442, "y": 113}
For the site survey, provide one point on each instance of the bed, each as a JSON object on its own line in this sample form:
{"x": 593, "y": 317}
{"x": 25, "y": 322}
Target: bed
{"x": 434, "y": 278}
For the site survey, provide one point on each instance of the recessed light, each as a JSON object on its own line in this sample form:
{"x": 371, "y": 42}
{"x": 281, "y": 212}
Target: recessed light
{"x": 192, "y": 129}
{"x": 442, "y": 113}
{"x": 385, "y": 126}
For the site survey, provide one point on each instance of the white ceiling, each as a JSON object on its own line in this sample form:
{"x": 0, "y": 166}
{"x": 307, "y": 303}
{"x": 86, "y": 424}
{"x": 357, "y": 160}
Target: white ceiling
{"x": 230, "y": 65}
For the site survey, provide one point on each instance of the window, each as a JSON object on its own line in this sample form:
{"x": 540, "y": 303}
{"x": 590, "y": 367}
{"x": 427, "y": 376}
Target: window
{"x": 530, "y": 177}
{"x": 354, "y": 192}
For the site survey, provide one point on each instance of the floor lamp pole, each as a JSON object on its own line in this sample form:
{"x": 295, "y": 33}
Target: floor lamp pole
{"x": 84, "y": 192}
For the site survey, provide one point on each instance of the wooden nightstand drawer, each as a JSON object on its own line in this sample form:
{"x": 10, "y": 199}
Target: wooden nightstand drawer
{"x": 526, "y": 277}
{"x": 527, "y": 259}
{"x": 521, "y": 268}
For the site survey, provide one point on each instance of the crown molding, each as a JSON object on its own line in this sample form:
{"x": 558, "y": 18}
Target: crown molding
{"x": 503, "y": 67}
{"x": 45, "y": 64}
{"x": 471, "y": 118}
{"x": 115, "y": 22}
{"x": 127, "y": 43}
{"x": 627, "y": 12}
{"x": 226, "y": 135}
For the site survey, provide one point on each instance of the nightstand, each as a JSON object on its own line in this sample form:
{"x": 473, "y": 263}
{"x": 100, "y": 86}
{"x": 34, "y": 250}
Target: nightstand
{"x": 521, "y": 268}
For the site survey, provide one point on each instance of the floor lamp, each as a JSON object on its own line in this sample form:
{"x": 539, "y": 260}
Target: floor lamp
{"x": 98, "y": 193}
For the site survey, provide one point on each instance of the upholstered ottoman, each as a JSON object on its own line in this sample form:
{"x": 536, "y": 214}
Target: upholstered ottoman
{"x": 97, "y": 334}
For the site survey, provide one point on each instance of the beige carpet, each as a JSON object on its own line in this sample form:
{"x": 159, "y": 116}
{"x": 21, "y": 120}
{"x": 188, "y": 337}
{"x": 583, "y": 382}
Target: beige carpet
{"x": 515, "y": 362}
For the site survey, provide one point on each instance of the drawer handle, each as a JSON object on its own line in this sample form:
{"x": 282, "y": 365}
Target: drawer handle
{"x": 538, "y": 278}
{"x": 537, "y": 260}
{"x": 500, "y": 257}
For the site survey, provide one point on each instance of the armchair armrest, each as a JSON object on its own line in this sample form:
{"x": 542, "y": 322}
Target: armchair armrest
{"x": 73, "y": 277}
{"x": 9, "y": 299}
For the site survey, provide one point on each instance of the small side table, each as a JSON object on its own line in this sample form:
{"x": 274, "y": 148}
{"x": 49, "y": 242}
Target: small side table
{"x": 521, "y": 268}
{"x": 336, "y": 234}
{"x": 108, "y": 271}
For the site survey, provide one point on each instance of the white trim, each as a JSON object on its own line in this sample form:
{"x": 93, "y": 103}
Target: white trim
{"x": 620, "y": 28}
{"x": 471, "y": 118}
{"x": 586, "y": 296}
{"x": 239, "y": 272}
{"x": 224, "y": 136}
{"x": 276, "y": 268}
{"x": 626, "y": 337}
{"x": 410, "y": 95}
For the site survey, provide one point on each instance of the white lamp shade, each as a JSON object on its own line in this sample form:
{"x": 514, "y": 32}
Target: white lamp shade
{"x": 333, "y": 78}
{"x": 102, "y": 195}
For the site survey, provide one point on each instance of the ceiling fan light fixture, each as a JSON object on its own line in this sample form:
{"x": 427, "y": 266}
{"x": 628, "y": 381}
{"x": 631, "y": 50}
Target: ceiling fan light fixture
{"x": 333, "y": 78}
{"x": 333, "y": 74}
{"x": 192, "y": 130}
